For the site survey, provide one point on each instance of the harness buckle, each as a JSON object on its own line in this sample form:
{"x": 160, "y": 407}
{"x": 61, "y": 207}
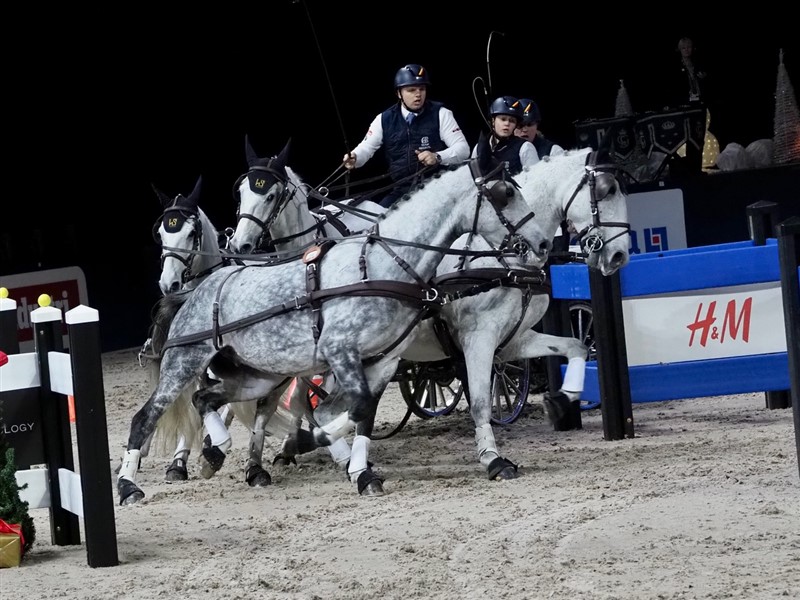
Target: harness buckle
{"x": 297, "y": 303}
{"x": 428, "y": 297}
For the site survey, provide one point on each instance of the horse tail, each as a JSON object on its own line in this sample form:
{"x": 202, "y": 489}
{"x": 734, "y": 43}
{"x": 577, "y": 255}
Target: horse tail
{"x": 181, "y": 418}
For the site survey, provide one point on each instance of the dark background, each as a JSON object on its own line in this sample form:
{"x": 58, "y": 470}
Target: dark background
{"x": 112, "y": 103}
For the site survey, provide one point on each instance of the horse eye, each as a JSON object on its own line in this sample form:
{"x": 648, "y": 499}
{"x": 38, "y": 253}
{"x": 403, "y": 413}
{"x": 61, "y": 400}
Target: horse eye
{"x": 270, "y": 197}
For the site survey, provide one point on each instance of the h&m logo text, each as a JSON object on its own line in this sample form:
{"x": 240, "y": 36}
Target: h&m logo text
{"x": 732, "y": 323}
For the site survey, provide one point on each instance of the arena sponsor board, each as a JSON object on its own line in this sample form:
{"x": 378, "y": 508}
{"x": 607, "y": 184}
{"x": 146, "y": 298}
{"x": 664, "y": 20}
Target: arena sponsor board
{"x": 67, "y": 287}
{"x": 657, "y": 221}
{"x": 704, "y": 324}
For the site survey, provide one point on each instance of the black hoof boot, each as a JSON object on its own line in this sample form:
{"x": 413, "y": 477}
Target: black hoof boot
{"x": 129, "y": 492}
{"x": 563, "y": 413}
{"x": 370, "y": 484}
{"x": 211, "y": 460}
{"x": 281, "y": 460}
{"x": 501, "y": 468}
{"x": 177, "y": 471}
{"x": 256, "y": 476}
{"x": 347, "y": 469}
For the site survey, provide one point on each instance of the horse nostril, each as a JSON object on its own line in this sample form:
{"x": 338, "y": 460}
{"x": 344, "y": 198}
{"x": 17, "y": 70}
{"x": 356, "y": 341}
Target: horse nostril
{"x": 245, "y": 249}
{"x": 174, "y": 287}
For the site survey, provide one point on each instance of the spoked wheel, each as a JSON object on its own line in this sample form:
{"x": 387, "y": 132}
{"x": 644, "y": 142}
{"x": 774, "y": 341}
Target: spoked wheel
{"x": 510, "y": 386}
{"x": 582, "y": 320}
{"x": 429, "y": 389}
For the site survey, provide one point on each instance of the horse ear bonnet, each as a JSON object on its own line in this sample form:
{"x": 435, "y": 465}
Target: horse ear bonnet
{"x": 181, "y": 209}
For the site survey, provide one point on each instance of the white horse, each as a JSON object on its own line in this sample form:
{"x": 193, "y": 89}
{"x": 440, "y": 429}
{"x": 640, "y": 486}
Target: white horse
{"x": 190, "y": 252}
{"x": 493, "y": 326}
{"x": 348, "y": 309}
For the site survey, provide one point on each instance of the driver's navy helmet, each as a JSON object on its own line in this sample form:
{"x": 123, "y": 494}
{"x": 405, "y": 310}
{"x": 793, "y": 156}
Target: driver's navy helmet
{"x": 411, "y": 74}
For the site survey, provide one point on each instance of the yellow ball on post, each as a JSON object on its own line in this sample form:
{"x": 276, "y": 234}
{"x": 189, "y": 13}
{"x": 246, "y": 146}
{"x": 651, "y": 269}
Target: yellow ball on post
{"x": 44, "y": 300}
{"x": 3, "y": 293}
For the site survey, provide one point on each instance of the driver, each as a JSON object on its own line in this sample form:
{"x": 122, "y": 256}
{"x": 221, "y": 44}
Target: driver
{"x": 502, "y": 145}
{"x": 418, "y": 135}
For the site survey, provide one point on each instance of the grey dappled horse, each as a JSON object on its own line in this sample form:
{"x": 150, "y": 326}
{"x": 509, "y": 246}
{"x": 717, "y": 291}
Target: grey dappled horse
{"x": 190, "y": 251}
{"x": 495, "y": 325}
{"x": 347, "y": 308}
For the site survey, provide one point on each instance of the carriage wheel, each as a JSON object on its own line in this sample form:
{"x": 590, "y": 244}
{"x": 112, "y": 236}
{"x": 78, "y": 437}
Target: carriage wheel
{"x": 510, "y": 387}
{"x": 580, "y": 316}
{"x": 429, "y": 389}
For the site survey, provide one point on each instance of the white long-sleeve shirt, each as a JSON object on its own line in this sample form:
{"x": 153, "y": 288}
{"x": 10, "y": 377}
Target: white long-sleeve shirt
{"x": 457, "y": 150}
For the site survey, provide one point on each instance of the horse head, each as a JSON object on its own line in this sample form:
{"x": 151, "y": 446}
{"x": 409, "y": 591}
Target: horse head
{"x": 591, "y": 198}
{"x": 261, "y": 194}
{"x": 181, "y": 233}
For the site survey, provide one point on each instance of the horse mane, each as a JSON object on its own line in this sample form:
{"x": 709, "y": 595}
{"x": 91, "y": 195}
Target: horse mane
{"x": 208, "y": 227}
{"x": 162, "y": 315}
{"x": 423, "y": 188}
{"x": 296, "y": 180}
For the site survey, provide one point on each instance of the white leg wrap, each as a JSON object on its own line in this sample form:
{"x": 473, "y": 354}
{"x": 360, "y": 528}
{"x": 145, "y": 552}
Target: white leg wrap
{"x": 220, "y": 437}
{"x": 181, "y": 450}
{"x": 339, "y": 427}
{"x": 130, "y": 465}
{"x": 576, "y": 373}
{"x": 340, "y": 451}
{"x": 484, "y": 439}
{"x": 358, "y": 456}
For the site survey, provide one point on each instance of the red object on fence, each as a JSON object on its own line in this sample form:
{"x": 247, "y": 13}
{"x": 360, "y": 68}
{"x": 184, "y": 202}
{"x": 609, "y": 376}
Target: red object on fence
{"x": 3, "y": 358}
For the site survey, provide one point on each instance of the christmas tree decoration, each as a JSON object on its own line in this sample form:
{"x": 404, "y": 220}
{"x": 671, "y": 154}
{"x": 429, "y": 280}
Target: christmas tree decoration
{"x": 786, "y": 139}
{"x": 710, "y": 145}
{"x": 624, "y": 107}
{"x": 13, "y": 510}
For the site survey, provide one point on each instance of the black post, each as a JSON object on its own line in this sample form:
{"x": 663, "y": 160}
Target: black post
{"x": 92, "y": 432}
{"x": 789, "y": 255}
{"x": 762, "y": 218}
{"x": 9, "y": 340}
{"x": 56, "y": 432}
{"x": 612, "y": 360}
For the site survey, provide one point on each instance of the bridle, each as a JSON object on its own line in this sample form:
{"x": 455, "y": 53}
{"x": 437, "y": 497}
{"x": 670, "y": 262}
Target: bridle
{"x": 601, "y": 180}
{"x": 258, "y": 184}
{"x": 171, "y": 219}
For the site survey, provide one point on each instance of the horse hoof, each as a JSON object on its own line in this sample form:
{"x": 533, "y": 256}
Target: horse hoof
{"x": 373, "y": 490}
{"x": 211, "y": 461}
{"x": 257, "y": 477}
{"x": 129, "y": 492}
{"x": 370, "y": 484}
{"x": 177, "y": 471}
{"x": 283, "y": 461}
{"x": 502, "y": 468}
{"x": 507, "y": 473}
{"x": 558, "y": 411}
